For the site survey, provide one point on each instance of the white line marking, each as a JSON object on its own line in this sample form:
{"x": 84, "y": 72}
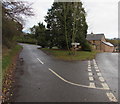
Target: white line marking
{"x": 94, "y": 63}
{"x": 96, "y": 67}
{"x": 101, "y": 79}
{"x": 88, "y": 62}
{"x": 94, "y": 60}
{"x": 105, "y": 86}
{"x": 111, "y": 97}
{"x": 92, "y": 85}
{"x": 90, "y": 73}
{"x": 97, "y": 70}
{"x": 99, "y": 74}
{"x": 89, "y": 67}
{"x": 91, "y": 78}
{"x": 89, "y": 70}
{"x": 40, "y": 61}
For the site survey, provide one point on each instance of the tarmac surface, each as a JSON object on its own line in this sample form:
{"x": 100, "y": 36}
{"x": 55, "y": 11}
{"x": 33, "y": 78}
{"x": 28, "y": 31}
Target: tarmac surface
{"x": 42, "y": 78}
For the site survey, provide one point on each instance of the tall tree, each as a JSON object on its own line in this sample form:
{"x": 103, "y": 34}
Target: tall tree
{"x": 39, "y": 32}
{"x": 67, "y": 23}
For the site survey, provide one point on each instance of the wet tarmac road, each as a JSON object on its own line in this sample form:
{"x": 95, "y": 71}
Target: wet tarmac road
{"x": 42, "y": 78}
{"x": 108, "y": 63}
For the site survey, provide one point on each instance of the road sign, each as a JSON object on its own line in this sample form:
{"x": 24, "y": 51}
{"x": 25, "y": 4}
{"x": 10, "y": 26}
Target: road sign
{"x": 75, "y": 44}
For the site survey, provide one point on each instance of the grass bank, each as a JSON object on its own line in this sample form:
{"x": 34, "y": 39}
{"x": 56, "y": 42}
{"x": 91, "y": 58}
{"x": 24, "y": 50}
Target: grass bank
{"x": 8, "y": 57}
{"x": 64, "y": 55}
{"x": 8, "y": 68}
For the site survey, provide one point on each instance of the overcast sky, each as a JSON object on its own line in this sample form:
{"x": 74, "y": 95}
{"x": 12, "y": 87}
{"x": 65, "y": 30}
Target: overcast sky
{"x": 102, "y": 15}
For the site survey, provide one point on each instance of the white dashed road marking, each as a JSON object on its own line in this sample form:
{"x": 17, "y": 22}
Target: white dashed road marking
{"x": 97, "y": 70}
{"x": 40, "y": 61}
{"x": 101, "y": 79}
{"x": 89, "y": 70}
{"x": 111, "y": 97}
{"x": 92, "y": 85}
{"x": 89, "y": 67}
{"x": 99, "y": 74}
{"x": 90, "y": 73}
{"x": 88, "y": 62}
{"x": 96, "y": 67}
{"x": 105, "y": 86}
{"x": 91, "y": 78}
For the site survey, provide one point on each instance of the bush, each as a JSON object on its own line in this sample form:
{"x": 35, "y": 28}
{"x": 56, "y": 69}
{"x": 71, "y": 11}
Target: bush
{"x": 86, "y": 46}
{"x": 22, "y": 39}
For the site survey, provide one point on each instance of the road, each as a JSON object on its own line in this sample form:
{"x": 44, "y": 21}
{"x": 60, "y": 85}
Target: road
{"x": 42, "y": 78}
{"x": 108, "y": 63}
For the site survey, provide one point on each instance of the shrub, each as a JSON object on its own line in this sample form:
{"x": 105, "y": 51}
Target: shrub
{"x": 86, "y": 46}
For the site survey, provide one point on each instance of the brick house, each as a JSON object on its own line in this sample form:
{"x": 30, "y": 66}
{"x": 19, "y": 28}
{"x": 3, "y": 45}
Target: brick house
{"x": 99, "y": 42}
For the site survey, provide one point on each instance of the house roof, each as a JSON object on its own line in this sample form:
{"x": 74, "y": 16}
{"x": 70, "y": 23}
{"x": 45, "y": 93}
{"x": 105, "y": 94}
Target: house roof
{"x": 94, "y": 36}
{"x": 107, "y": 43}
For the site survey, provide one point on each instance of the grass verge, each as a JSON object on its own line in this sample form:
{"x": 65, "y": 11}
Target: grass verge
{"x": 8, "y": 69}
{"x": 64, "y": 55}
{"x": 7, "y": 59}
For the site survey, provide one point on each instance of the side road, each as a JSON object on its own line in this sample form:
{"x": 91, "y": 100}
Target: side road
{"x": 108, "y": 63}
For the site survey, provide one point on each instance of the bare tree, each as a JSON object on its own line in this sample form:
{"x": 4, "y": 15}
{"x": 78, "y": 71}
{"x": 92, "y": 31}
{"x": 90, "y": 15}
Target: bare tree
{"x": 16, "y": 10}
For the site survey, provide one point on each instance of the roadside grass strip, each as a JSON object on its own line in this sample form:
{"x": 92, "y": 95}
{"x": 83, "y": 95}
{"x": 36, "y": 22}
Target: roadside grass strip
{"x": 67, "y": 55}
{"x": 111, "y": 97}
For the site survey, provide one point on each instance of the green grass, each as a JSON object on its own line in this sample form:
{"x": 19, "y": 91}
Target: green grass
{"x": 8, "y": 58}
{"x": 64, "y": 55}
